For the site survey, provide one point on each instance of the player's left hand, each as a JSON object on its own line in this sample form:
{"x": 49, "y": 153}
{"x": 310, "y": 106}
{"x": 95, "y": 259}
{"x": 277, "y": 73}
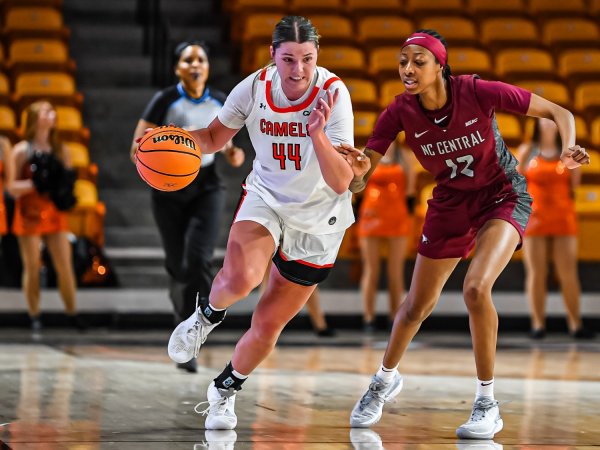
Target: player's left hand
{"x": 574, "y": 157}
{"x": 320, "y": 114}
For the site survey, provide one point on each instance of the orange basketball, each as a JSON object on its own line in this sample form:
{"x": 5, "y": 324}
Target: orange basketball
{"x": 168, "y": 158}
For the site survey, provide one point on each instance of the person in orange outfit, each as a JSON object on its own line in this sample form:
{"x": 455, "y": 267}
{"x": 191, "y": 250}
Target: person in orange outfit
{"x": 384, "y": 219}
{"x": 37, "y": 218}
{"x": 5, "y": 173}
{"x": 552, "y": 229}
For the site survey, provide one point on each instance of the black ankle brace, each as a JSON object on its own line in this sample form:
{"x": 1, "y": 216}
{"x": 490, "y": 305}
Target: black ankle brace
{"x": 228, "y": 380}
{"x": 209, "y": 313}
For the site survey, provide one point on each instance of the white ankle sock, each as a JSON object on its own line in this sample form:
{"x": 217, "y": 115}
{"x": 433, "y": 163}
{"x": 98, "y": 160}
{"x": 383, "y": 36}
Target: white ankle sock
{"x": 386, "y": 374}
{"x": 238, "y": 375}
{"x": 485, "y": 388}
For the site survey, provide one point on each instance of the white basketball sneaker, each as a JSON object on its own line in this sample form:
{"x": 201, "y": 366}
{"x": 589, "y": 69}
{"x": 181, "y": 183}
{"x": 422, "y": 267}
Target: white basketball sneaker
{"x": 485, "y": 420}
{"x": 220, "y": 413}
{"x": 188, "y": 336}
{"x": 369, "y": 408}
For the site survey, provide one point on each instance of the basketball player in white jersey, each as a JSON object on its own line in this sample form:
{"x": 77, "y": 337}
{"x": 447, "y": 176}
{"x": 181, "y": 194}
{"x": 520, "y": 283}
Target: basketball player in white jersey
{"x": 294, "y": 210}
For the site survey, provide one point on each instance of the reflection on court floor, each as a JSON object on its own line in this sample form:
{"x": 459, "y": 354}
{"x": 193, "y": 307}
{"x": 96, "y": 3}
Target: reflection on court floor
{"x": 100, "y": 392}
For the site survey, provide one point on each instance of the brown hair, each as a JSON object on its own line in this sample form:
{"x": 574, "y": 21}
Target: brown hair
{"x": 31, "y": 119}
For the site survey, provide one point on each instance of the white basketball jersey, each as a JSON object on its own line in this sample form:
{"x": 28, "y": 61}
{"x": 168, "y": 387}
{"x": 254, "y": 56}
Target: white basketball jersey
{"x": 286, "y": 172}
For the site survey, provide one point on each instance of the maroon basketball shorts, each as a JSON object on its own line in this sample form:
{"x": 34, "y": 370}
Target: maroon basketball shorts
{"x": 454, "y": 217}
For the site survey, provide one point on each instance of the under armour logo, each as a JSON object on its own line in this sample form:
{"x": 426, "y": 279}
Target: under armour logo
{"x": 424, "y": 239}
{"x": 207, "y": 311}
{"x": 332, "y": 220}
{"x": 228, "y": 382}
{"x": 262, "y": 106}
{"x": 306, "y": 113}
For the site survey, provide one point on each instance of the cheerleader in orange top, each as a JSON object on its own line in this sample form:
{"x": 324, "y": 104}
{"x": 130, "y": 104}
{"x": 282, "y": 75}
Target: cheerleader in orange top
{"x": 384, "y": 218}
{"x": 552, "y": 228}
{"x": 36, "y": 217}
{"x": 5, "y": 172}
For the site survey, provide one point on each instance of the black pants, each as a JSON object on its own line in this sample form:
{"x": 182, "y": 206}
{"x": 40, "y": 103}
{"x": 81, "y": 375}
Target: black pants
{"x": 188, "y": 221}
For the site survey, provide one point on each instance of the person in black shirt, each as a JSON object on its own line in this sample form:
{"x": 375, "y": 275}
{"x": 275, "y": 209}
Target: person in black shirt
{"x": 189, "y": 219}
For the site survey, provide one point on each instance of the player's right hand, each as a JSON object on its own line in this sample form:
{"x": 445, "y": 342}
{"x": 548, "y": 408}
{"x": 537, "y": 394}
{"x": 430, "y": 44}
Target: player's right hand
{"x": 359, "y": 162}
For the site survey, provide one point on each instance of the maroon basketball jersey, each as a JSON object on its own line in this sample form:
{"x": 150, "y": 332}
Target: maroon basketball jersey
{"x": 466, "y": 154}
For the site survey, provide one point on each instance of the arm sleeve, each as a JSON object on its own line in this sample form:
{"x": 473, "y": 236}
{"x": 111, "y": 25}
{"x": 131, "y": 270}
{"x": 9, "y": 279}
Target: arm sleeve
{"x": 340, "y": 128}
{"x": 494, "y": 95}
{"x": 386, "y": 129}
{"x": 239, "y": 103}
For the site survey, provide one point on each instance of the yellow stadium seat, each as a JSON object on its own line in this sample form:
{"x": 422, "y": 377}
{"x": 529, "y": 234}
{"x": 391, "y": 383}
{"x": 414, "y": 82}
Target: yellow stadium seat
{"x": 4, "y": 88}
{"x": 581, "y": 130}
{"x": 591, "y": 172}
{"x": 543, "y": 9}
{"x": 78, "y": 154}
{"x": 308, "y": 7}
{"x": 343, "y": 60}
{"x": 574, "y": 32}
{"x": 510, "y": 128}
{"x": 39, "y": 55}
{"x": 384, "y": 62}
{"x": 86, "y": 194}
{"x": 524, "y": 63}
{"x": 595, "y": 7}
{"x": 455, "y": 29}
{"x": 587, "y": 96}
{"x": 489, "y": 8}
{"x": 595, "y": 132}
{"x": 259, "y": 26}
{"x": 390, "y": 89}
{"x": 240, "y": 6}
{"x": 361, "y": 8}
{"x": 500, "y": 32}
{"x": 363, "y": 93}
{"x": 426, "y": 193}
{"x": 384, "y": 30}
{"x": 364, "y": 122}
{"x": 34, "y": 21}
{"x": 469, "y": 60}
{"x": 8, "y": 123}
{"x": 577, "y": 65}
{"x": 334, "y": 29}
{"x": 420, "y": 8}
{"x": 58, "y": 87}
{"x": 261, "y": 58}
{"x": 587, "y": 199}
{"x": 554, "y": 91}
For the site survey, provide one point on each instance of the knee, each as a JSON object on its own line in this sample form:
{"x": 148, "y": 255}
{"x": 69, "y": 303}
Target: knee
{"x": 415, "y": 313}
{"x": 267, "y": 330}
{"x": 476, "y": 293}
{"x": 240, "y": 282}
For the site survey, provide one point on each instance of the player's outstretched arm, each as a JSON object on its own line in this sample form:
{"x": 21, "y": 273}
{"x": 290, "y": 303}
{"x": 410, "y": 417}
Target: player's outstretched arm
{"x": 572, "y": 154}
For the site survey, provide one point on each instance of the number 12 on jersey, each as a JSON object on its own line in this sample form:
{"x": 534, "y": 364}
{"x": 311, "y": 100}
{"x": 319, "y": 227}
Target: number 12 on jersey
{"x": 293, "y": 154}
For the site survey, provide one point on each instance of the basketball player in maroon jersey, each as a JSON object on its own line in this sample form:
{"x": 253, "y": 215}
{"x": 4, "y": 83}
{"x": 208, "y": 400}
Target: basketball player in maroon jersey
{"x": 480, "y": 198}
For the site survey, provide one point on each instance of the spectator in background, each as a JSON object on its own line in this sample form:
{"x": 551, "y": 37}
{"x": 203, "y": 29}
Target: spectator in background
{"x": 6, "y": 170}
{"x": 189, "y": 219}
{"x": 552, "y": 229}
{"x": 384, "y": 211}
{"x": 37, "y": 217}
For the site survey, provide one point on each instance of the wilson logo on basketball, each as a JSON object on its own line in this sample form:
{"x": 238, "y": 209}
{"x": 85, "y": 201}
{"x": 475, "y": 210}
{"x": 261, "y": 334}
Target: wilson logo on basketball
{"x": 177, "y": 140}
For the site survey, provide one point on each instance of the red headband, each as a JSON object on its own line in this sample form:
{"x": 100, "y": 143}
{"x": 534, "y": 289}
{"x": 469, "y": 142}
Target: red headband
{"x": 429, "y": 42}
